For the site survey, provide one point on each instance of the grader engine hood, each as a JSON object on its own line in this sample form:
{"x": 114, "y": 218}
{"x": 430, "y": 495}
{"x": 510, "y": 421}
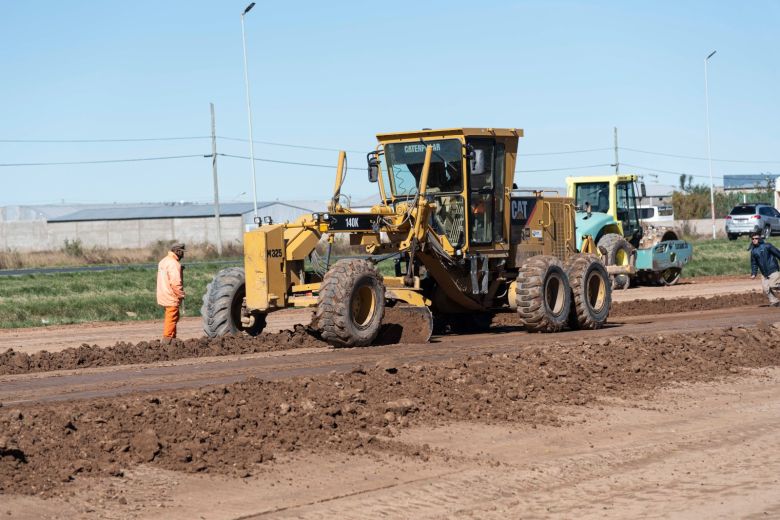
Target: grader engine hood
{"x": 264, "y": 262}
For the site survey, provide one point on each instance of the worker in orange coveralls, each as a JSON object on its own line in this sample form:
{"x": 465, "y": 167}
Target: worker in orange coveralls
{"x": 170, "y": 290}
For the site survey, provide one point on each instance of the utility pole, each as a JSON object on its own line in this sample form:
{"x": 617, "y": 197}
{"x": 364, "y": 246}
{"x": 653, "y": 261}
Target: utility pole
{"x": 709, "y": 148}
{"x": 617, "y": 161}
{"x": 249, "y": 113}
{"x": 216, "y": 181}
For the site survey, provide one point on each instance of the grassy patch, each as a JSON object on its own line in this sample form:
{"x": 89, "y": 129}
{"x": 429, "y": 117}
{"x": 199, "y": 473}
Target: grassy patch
{"x": 54, "y": 299}
{"x": 718, "y": 257}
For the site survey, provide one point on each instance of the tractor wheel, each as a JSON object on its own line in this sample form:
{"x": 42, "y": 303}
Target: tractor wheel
{"x": 669, "y": 277}
{"x": 591, "y": 292}
{"x": 767, "y": 233}
{"x": 222, "y": 305}
{"x": 351, "y": 303}
{"x": 618, "y": 252}
{"x": 543, "y": 294}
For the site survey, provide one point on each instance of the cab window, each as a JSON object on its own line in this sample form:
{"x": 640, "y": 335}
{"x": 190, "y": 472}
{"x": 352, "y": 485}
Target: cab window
{"x": 594, "y": 193}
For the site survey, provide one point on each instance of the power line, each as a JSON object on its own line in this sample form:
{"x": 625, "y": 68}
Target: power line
{"x": 118, "y": 140}
{"x": 669, "y": 172}
{"x": 294, "y": 163}
{"x": 563, "y": 153}
{"x": 564, "y": 169}
{"x": 695, "y": 157}
{"x": 288, "y": 145}
{"x": 105, "y": 161}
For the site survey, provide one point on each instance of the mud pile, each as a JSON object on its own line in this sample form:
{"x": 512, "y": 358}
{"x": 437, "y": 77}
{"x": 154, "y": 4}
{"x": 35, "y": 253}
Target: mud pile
{"x": 122, "y": 353}
{"x": 660, "y": 306}
{"x": 677, "y": 305}
{"x": 233, "y": 428}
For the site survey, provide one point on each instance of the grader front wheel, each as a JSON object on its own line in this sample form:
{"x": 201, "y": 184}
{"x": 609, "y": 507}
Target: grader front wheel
{"x": 223, "y": 303}
{"x": 351, "y": 304}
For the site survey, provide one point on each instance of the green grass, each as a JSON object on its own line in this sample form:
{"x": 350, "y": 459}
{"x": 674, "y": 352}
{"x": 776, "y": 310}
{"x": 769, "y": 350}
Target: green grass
{"x": 718, "y": 257}
{"x": 53, "y": 299}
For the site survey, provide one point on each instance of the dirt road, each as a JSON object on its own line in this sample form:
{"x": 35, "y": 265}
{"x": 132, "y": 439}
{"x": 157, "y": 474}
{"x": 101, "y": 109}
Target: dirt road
{"x": 697, "y": 451}
{"x": 658, "y": 415}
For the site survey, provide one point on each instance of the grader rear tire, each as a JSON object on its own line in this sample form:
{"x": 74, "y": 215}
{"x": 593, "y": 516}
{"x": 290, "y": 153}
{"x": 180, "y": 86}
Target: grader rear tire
{"x": 351, "y": 304}
{"x": 222, "y": 305}
{"x": 543, "y": 295}
{"x": 591, "y": 292}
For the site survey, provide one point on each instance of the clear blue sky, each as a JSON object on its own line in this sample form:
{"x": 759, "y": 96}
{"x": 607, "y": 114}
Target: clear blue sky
{"x": 333, "y": 74}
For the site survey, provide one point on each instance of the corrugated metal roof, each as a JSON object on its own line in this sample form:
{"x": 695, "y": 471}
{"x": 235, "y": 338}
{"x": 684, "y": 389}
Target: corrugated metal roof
{"x": 735, "y": 182}
{"x": 162, "y": 211}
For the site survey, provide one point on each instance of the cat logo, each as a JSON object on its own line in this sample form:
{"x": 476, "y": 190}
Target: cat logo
{"x": 352, "y": 222}
{"x": 519, "y": 209}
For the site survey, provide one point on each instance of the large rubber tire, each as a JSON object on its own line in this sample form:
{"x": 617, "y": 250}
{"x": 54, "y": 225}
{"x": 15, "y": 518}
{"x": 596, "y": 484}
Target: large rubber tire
{"x": 543, "y": 295}
{"x": 222, "y": 303}
{"x": 618, "y": 252}
{"x": 767, "y": 232}
{"x": 591, "y": 292}
{"x": 351, "y": 303}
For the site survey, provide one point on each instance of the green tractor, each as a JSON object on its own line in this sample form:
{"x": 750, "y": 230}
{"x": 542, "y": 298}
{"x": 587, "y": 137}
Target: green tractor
{"x": 608, "y": 215}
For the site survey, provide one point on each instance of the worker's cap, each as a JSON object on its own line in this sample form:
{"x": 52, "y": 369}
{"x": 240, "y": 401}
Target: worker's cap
{"x": 178, "y": 246}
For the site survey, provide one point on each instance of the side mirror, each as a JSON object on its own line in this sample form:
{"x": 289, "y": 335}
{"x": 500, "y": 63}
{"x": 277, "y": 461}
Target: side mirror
{"x": 477, "y": 162}
{"x": 373, "y": 169}
{"x": 642, "y": 189}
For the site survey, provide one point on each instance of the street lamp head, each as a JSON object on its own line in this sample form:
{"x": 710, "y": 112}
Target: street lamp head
{"x": 248, "y": 8}
{"x": 708, "y": 57}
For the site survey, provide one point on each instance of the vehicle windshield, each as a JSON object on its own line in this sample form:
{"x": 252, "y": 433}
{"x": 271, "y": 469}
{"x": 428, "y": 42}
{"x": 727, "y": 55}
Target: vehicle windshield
{"x": 646, "y": 212}
{"x": 405, "y": 164}
{"x": 594, "y": 193}
{"x": 743, "y": 210}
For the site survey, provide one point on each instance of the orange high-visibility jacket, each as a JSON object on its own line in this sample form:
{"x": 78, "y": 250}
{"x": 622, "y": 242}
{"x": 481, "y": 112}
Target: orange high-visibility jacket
{"x": 169, "y": 287}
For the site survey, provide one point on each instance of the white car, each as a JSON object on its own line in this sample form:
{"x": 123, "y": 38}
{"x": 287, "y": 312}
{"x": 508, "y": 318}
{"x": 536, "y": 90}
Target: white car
{"x": 651, "y": 214}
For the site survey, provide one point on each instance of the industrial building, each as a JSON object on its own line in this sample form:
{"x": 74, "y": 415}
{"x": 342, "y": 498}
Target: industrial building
{"x": 46, "y": 227}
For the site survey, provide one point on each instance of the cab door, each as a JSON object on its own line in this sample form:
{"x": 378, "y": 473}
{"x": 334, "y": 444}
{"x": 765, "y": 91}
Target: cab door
{"x": 628, "y": 213}
{"x": 485, "y": 191}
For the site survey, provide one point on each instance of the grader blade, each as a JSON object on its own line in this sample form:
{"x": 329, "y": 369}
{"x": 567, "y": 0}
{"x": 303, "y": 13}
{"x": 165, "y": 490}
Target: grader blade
{"x": 405, "y": 324}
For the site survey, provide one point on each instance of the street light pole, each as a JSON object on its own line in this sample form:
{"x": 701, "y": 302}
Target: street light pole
{"x": 249, "y": 110}
{"x": 709, "y": 147}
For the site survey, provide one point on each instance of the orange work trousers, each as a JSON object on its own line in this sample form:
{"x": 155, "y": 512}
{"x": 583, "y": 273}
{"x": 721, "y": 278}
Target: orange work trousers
{"x": 171, "y": 319}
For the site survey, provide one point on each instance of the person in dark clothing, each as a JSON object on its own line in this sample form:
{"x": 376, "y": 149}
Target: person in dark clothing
{"x": 763, "y": 257}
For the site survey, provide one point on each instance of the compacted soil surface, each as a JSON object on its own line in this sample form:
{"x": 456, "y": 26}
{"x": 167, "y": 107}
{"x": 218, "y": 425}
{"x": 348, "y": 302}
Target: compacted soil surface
{"x": 237, "y": 430}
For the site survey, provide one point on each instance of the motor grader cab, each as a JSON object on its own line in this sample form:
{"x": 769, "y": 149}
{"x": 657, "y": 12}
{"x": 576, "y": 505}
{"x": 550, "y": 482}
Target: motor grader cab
{"x": 608, "y": 214}
{"x": 463, "y": 243}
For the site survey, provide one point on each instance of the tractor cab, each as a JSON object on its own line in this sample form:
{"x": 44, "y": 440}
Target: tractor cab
{"x": 608, "y": 198}
{"x": 468, "y": 179}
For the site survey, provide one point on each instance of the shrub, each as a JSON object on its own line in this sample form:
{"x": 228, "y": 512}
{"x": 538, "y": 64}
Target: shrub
{"x": 73, "y": 248}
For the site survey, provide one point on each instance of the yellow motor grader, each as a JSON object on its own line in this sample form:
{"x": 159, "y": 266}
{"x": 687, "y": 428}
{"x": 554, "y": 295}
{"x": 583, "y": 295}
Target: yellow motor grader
{"x": 464, "y": 241}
